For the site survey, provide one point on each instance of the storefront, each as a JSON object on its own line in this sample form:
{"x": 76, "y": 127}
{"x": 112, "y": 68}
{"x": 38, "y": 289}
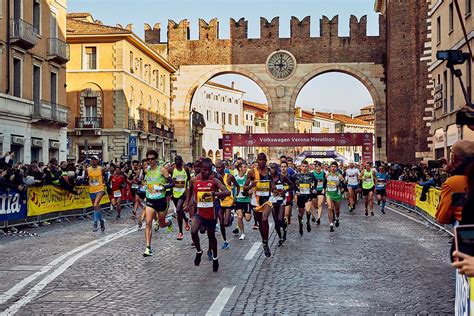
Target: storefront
{"x": 439, "y": 140}
{"x": 452, "y": 137}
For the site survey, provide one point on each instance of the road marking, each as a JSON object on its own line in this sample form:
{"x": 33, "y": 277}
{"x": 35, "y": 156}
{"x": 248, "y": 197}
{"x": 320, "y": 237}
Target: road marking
{"x": 35, "y": 291}
{"x": 20, "y": 285}
{"x": 253, "y": 250}
{"x": 404, "y": 215}
{"x": 220, "y": 301}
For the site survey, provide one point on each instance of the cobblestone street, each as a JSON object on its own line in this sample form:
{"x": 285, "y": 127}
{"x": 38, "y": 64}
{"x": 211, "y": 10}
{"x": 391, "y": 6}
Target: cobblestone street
{"x": 381, "y": 264}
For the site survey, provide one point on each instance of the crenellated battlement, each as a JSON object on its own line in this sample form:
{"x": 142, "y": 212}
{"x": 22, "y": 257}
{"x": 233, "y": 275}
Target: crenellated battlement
{"x": 210, "y": 49}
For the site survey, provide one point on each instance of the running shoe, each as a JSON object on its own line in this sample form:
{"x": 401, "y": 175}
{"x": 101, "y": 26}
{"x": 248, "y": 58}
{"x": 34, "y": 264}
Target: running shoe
{"x": 218, "y": 228}
{"x": 231, "y": 220}
{"x": 255, "y": 226}
{"x": 148, "y": 252}
{"x": 134, "y": 214}
{"x": 242, "y": 237}
{"x": 215, "y": 264}
{"x": 372, "y": 213}
{"x": 156, "y": 227}
{"x": 337, "y": 222}
{"x": 308, "y": 228}
{"x": 140, "y": 223}
{"x": 118, "y": 217}
{"x": 382, "y": 211}
{"x": 225, "y": 246}
{"x": 331, "y": 227}
{"x": 186, "y": 226}
{"x": 169, "y": 229}
{"x": 197, "y": 259}
{"x": 102, "y": 225}
{"x": 285, "y": 223}
{"x": 318, "y": 221}
{"x": 301, "y": 229}
{"x": 280, "y": 242}
{"x": 236, "y": 231}
{"x": 95, "y": 227}
{"x": 180, "y": 236}
{"x": 266, "y": 250}
{"x": 366, "y": 213}
{"x": 209, "y": 254}
{"x": 313, "y": 219}
{"x": 350, "y": 209}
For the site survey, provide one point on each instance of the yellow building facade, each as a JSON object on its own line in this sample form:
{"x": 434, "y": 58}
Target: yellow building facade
{"x": 119, "y": 93}
{"x": 33, "y": 54}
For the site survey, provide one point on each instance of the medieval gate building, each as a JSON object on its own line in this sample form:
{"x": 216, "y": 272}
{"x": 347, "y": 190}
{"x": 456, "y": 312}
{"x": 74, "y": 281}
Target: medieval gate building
{"x": 282, "y": 66}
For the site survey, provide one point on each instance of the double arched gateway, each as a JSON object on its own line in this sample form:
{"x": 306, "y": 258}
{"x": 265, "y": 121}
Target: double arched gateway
{"x": 280, "y": 66}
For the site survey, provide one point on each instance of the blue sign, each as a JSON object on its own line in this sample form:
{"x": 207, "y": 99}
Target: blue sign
{"x": 13, "y": 205}
{"x": 133, "y": 151}
{"x": 132, "y": 141}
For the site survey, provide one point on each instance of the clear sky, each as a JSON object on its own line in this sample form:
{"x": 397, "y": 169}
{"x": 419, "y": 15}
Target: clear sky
{"x": 322, "y": 93}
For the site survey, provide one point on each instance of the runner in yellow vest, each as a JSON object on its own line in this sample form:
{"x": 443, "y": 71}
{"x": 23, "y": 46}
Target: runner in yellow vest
{"x": 180, "y": 175}
{"x": 96, "y": 174}
{"x": 368, "y": 184}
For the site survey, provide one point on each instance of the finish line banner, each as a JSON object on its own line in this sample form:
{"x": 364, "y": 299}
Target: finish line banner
{"x": 50, "y": 199}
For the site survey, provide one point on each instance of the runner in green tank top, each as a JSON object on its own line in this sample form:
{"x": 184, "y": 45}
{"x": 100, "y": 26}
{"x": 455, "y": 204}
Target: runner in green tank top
{"x": 334, "y": 197}
{"x": 180, "y": 177}
{"x": 318, "y": 198}
{"x": 242, "y": 205}
{"x": 368, "y": 184}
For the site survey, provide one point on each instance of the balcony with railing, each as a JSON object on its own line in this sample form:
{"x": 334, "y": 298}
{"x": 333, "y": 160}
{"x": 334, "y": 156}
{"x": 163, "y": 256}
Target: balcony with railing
{"x": 58, "y": 50}
{"x": 23, "y": 33}
{"x": 89, "y": 123}
{"x": 50, "y": 112}
{"x": 152, "y": 127}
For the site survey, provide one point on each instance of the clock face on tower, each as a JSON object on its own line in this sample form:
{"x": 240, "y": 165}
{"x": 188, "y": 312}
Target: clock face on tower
{"x": 281, "y": 65}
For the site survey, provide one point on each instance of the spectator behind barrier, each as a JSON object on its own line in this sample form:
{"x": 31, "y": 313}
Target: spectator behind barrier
{"x": 462, "y": 155}
{"x": 465, "y": 263}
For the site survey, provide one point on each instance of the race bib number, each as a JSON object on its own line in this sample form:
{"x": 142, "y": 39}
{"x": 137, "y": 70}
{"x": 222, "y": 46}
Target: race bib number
{"x": 135, "y": 186}
{"x": 332, "y": 186}
{"x": 204, "y": 200}
{"x": 263, "y": 188}
{"x": 320, "y": 185}
{"x": 94, "y": 181}
{"x": 179, "y": 184}
{"x": 305, "y": 188}
{"x": 381, "y": 184}
{"x": 367, "y": 180}
{"x": 117, "y": 194}
{"x": 155, "y": 190}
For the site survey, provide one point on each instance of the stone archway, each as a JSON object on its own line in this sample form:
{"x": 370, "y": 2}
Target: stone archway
{"x": 369, "y": 78}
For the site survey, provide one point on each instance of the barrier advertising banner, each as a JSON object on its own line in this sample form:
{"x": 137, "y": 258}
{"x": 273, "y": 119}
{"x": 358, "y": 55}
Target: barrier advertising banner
{"x": 402, "y": 192}
{"x": 432, "y": 200}
{"x": 12, "y": 205}
{"x": 50, "y": 199}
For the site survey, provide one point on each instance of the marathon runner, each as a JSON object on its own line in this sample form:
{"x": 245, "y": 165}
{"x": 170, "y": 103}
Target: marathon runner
{"x": 259, "y": 180}
{"x": 204, "y": 188}
{"x": 318, "y": 197}
{"x": 305, "y": 187}
{"x": 157, "y": 181}
{"x": 280, "y": 186}
{"x": 288, "y": 203}
{"x": 380, "y": 187}
{"x": 134, "y": 181}
{"x": 117, "y": 182}
{"x": 334, "y": 196}
{"x": 141, "y": 193}
{"x": 180, "y": 175}
{"x": 352, "y": 179}
{"x": 242, "y": 206}
{"x": 368, "y": 184}
{"x": 96, "y": 175}
{"x": 224, "y": 213}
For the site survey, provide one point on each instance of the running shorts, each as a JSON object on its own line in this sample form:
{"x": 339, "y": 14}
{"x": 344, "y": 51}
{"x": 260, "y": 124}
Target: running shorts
{"x": 159, "y": 205}
{"x": 244, "y": 206}
{"x": 382, "y": 192}
{"x": 208, "y": 223}
{"x": 366, "y": 192}
{"x": 175, "y": 200}
{"x": 334, "y": 196}
{"x": 353, "y": 186}
{"x": 302, "y": 199}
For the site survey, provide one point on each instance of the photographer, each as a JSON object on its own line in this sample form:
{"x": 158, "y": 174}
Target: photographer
{"x": 462, "y": 155}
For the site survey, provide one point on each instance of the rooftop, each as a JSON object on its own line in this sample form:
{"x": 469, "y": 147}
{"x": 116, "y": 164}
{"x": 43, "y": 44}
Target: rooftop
{"x": 255, "y": 106}
{"x": 218, "y": 85}
{"x": 76, "y": 24}
{"x": 345, "y": 119}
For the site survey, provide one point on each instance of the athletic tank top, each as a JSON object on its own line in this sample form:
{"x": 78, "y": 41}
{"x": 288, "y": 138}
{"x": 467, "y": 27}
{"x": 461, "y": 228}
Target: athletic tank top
{"x": 332, "y": 183}
{"x": 203, "y": 196}
{"x": 262, "y": 188}
{"x": 367, "y": 180}
{"x": 155, "y": 184}
{"x": 241, "y": 181}
{"x": 180, "y": 180}
{"x": 280, "y": 188}
{"x": 96, "y": 180}
{"x": 229, "y": 200}
{"x": 320, "y": 180}
{"x": 381, "y": 180}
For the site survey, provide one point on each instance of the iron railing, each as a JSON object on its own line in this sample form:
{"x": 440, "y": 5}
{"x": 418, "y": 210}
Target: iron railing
{"x": 23, "y": 33}
{"x": 58, "y": 50}
{"x": 89, "y": 122}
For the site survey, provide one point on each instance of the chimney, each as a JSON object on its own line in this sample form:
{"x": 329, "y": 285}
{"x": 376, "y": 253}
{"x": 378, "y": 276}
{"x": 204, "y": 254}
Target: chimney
{"x": 332, "y": 115}
{"x": 314, "y": 111}
{"x": 232, "y": 85}
{"x": 352, "y": 116}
